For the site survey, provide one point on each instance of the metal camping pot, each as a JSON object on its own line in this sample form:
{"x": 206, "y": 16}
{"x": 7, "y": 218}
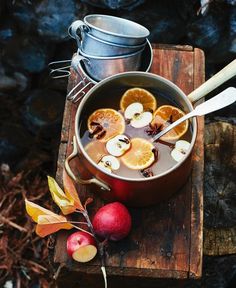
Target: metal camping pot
{"x": 86, "y": 81}
{"x": 97, "y": 47}
{"x": 100, "y": 68}
{"x": 147, "y": 191}
{"x": 111, "y": 29}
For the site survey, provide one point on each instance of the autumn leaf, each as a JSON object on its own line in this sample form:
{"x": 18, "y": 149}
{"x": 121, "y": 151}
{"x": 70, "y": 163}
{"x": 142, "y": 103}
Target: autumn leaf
{"x": 67, "y": 205}
{"x": 35, "y": 210}
{"x": 48, "y": 224}
{"x": 71, "y": 191}
{"x": 47, "y": 221}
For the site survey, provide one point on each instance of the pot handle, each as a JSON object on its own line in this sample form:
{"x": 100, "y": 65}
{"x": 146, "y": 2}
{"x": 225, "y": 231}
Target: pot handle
{"x": 219, "y": 78}
{"x": 75, "y": 31}
{"x": 78, "y": 180}
{"x": 77, "y": 59}
{"x": 75, "y": 97}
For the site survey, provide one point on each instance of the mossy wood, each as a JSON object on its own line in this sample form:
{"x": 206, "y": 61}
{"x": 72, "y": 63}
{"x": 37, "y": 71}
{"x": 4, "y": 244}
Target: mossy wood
{"x": 166, "y": 240}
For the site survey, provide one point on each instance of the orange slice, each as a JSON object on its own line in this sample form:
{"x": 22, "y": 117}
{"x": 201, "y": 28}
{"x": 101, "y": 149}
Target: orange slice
{"x": 167, "y": 114}
{"x": 140, "y": 155}
{"x": 107, "y": 122}
{"x": 138, "y": 95}
{"x": 95, "y": 150}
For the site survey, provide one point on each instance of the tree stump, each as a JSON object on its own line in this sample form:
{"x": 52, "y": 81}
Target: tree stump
{"x": 220, "y": 188}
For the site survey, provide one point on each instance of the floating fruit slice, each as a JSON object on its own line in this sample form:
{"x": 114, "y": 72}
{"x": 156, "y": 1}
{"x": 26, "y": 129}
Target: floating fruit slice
{"x": 109, "y": 163}
{"x": 180, "y": 150}
{"x": 103, "y": 124}
{"x": 133, "y": 109}
{"x": 167, "y": 114}
{"x": 138, "y": 118}
{"x": 140, "y": 155}
{"x": 96, "y": 150}
{"x": 141, "y": 120}
{"x": 118, "y": 145}
{"x": 138, "y": 95}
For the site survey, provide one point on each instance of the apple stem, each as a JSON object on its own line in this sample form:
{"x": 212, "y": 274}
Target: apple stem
{"x": 104, "y": 275}
{"x": 82, "y": 229}
{"x": 82, "y": 223}
{"x": 100, "y": 246}
{"x": 101, "y": 250}
{"x": 89, "y": 223}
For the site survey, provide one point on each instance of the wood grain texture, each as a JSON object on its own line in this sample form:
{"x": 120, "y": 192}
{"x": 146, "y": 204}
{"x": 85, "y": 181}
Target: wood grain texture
{"x": 166, "y": 240}
{"x": 219, "y": 241}
{"x": 220, "y": 187}
{"x": 196, "y": 248}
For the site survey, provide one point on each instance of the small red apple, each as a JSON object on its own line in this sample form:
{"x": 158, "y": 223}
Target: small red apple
{"x": 81, "y": 246}
{"x": 112, "y": 221}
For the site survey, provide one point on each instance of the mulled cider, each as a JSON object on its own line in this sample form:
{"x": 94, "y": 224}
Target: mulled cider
{"x": 118, "y": 136}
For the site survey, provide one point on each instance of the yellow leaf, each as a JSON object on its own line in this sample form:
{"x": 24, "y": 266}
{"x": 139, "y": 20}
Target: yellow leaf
{"x": 48, "y": 224}
{"x": 35, "y": 210}
{"x": 71, "y": 191}
{"x": 60, "y": 198}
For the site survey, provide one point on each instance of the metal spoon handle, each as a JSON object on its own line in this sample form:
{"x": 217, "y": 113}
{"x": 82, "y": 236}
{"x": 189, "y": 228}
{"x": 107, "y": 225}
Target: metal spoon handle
{"x": 223, "y": 99}
{"x": 171, "y": 126}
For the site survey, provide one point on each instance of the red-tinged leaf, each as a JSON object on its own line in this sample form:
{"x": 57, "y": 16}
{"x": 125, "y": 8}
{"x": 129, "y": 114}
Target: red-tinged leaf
{"x": 88, "y": 201}
{"x": 48, "y": 224}
{"x": 71, "y": 191}
{"x": 35, "y": 210}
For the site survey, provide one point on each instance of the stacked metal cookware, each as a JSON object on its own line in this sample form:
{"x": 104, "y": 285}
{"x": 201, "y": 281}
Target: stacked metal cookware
{"x": 108, "y": 45}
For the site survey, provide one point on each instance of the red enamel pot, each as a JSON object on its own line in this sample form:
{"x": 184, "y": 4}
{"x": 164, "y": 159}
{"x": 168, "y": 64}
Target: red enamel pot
{"x": 140, "y": 191}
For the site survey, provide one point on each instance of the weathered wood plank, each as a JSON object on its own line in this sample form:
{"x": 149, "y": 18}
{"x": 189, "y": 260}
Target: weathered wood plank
{"x": 173, "y": 47}
{"x": 159, "y": 245}
{"x": 176, "y": 66}
{"x": 195, "y": 270}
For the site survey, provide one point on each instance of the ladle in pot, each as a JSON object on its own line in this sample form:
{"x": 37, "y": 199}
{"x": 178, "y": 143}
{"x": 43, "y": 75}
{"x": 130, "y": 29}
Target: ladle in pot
{"x": 223, "y": 99}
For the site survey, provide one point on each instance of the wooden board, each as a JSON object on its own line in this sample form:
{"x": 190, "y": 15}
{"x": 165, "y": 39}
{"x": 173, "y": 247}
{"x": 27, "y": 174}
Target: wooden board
{"x": 166, "y": 240}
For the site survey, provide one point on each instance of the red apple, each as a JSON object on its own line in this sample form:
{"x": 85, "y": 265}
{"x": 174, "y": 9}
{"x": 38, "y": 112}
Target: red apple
{"x": 112, "y": 222}
{"x": 81, "y": 246}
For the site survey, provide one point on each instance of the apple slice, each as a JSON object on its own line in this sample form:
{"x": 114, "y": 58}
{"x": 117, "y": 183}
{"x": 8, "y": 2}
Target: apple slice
{"x": 81, "y": 246}
{"x": 180, "y": 150}
{"x": 109, "y": 163}
{"x": 118, "y": 145}
{"x": 138, "y": 118}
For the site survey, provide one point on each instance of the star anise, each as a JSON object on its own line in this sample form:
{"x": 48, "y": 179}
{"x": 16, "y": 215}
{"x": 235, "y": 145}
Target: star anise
{"x": 154, "y": 129}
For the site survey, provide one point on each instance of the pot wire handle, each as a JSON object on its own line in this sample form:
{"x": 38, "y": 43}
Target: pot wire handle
{"x": 58, "y": 71}
{"x": 78, "y": 180}
{"x": 79, "y": 94}
{"x": 219, "y": 78}
{"x": 76, "y": 26}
